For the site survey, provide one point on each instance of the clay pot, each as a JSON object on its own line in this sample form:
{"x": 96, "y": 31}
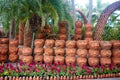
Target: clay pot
{"x": 49, "y": 43}
{"x": 48, "y": 59}
{"x": 70, "y": 60}
{"x": 93, "y": 61}
{"x": 106, "y": 53}
{"x": 48, "y": 51}
{"x": 59, "y": 51}
{"x": 82, "y": 53}
{"x": 93, "y": 53}
{"x": 94, "y": 44}
{"x": 38, "y": 51}
{"x": 60, "y": 43}
{"x": 4, "y": 46}
{"x": 3, "y": 50}
{"x": 116, "y": 52}
{"x": 88, "y": 34}
{"x": 3, "y": 58}
{"x": 71, "y": 44}
{"x": 116, "y": 44}
{"x": 105, "y": 44}
{"x": 62, "y": 24}
{"x": 70, "y": 52}
{"x": 63, "y": 30}
{"x": 38, "y": 58}
{"x": 78, "y": 37}
{"x": 116, "y": 61}
{"x": 13, "y": 57}
{"x": 26, "y": 51}
{"x": 4, "y": 40}
{"x": 41, "y": 36}
{"x": 82, "y": 44}
{"x": 13, "y": 50}
{"x": 39, "y": 43}
{"x": 78, "y": 31}
{"x": 88, "y": 27}
{"x": 81, "y": 61}
{"x": 89, "y": 39}
{"x": 62, "y": 37}
{"x": 27, "y": 59}
{"x": 59, "y": 59}
{"x": 13, "y": 43}
{"x": 78, "y": 24}
{"x": 105, "y": 61}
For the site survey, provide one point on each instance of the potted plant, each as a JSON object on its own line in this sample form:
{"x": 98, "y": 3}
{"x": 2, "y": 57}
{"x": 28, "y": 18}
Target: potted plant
{"x": 93, "y": 53}
{"x": 39, "y": 43}
{"x": 13, "y": 43}
{"x": 26, "y": 51}
{"x": 78, "y": 31}
{"x": 3, "y": 58}
{"x": 82, "y": 44}
{"x": 78, "y": 37}
{"x": 105, "y": 53}
{"x": 48, "y": 51}
{"x": 13, "y": 50}
{"x": 59, "y": 51}
{"x": 4, "y": 40}
{"x": 116, "y": 60}
{"x": 49, "y": 43}
{"x": 71, "y": 44}
{"x": 82, "y": 53}
{"x": 116, "y": 52}
{"x": 27, "y": 59}
{"x": 60, "y": 43}
{"x": 70, "y": 52}
{"x": 115, "y": 44}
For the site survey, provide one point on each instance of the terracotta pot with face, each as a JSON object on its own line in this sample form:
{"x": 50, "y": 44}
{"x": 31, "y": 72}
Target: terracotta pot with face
{"x": 48, "y": 51}
{"x": 39, "y": 43}
{"x": 4, "y": 40}
{"x": 3, "y": 50}
{"x": 88, "y": 34}
{"x": 116, "y": 61}
{"x": 88, "y": 27}
{"x": 93, "y": 61}
{"x": 116, "y": 52}
{"x": 13, "y": 43}
{"x": 106, "y": 53}
{"x": 60, "y": 43}
{"x": 94, "y": 45}
{"x": 71, "y": 44}
{"x": 13, "y": 50}
{"x": 27, "y": 59}
{"x": 63, "y": 30}
{"x": 78, "y": 24}
{"x": 62, "y": 24}
{"x": 59, "y": 59}
{"x": 105, "y": 61}
{"x": 48, "y": 59}
{"x": 62, "y": 36}
{"x": 59, "y": 51}
{"x": 26, "y": 51}
{"x": 70, "y": 60}
{"x": 78, "y": 31}
{"x": 70, "y": 52}
{"x": 41, "y": 36}
{"x": 13, "y": 57}
{"x": 49, "y": 43}
{"x": 3, "y": 58}
{"x": 81, "y": 61}
{"x": 93, "y": 53}
{"x": 38, "y": 58}
{"x": 38, "y": 51}
{"x": 116, "y": 44}
{"x": 82, "y": 44}
{"x": 82, "y": 53}
{"x": 105, "y": 44}
{"x": 78, "y": 37}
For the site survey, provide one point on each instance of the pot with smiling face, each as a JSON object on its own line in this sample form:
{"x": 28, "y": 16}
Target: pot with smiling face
{"x": 115, "y": 44}
{"x": 116, "y": 52}
{"x": 26, "y": 51}
{"x": 82, "y": 53}
{"x": 59, "y": 59}
{"x": 38, "y": 51}
{"x": 38, "y": 58}
{"x": 105, "y": 61}
{"x": 13, "y": 50}
{"x": 48, "y": 59}
{"x": 82, "y": 44}
{"x": 4, "y": 40}
{"x": 93, "y": 61}
{"x": 94, "y": 44}
{"x": 70, "y": 52}
{"x": 60, "y": 43}
{"x": 3, "y": 50}
{"x": 39, "y": 43}
{"x": 70, "y": 60}
{"x": 62, "y": 36}
{"x": 78, "y": 24}
{"x": 116, "y": 61}
{"x": 88, "y": 27}
{"x": 71, "y": 44}
{"x": 81, "y": 61}
{"x": 3, "y": 58}
{"x": 77, "y": 37}
{"x": 13, "y": 57}
{"x": 59, "y": 51}
{"x": 13, "y": 43}
{"x": 49, "y": 43}
{"x": 27, "y": 59}
{"x": 93, "y": 53}
{"x": 88, "y": 34}
{"x": 105, "y": 44}
{"x": 63, "y": 30}
{"x": 48, "y": 51}
{"x": 106, "y": 53}
{"x": 78, "y": 31}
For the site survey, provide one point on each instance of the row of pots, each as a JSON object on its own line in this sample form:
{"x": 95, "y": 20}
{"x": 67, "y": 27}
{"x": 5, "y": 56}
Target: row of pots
{"x": 62, "y": 77}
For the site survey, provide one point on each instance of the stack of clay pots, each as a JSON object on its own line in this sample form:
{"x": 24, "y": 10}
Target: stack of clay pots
{"x": 105, "y": 53}
{"x": 82, "y": 52}
{"x": 13, "y": 50}
{"x": 25, "y": 55}
{"x": 78, "y": 30}
{"x": 116, "y": 52}
{"x": 48, "y": 51}
{"x": 63, "y": 31}
{"x": 70, "y": 52}
{"x": 4, "y": 49}
{"x": 39, "y": 50}
{"x": 88, "y": 32}
{"x": 59, "y": 51}
{"x": 93, "y": 53}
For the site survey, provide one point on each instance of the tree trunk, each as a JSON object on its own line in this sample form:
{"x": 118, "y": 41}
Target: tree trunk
{"x": 90, "y": 11}
{"x": 103, "y": 19}
{"x": 12, "y": 29}
{"x": 21, "y": 33}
